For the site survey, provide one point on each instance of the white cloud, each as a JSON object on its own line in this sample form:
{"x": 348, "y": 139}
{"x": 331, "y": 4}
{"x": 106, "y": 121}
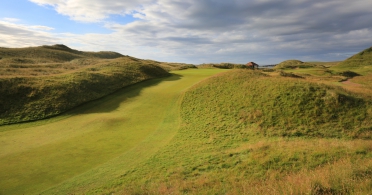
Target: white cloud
{"x": 11, "y": 19}
{"x": 19, "y": 35}
{"x": 39, "y": 27}
{"x": 213, "y": 30}
{"x": 93, "y": 10}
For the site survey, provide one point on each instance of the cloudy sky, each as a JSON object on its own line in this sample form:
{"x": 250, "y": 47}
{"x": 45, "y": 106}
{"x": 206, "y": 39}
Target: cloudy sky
{"x": 194, "y": 31}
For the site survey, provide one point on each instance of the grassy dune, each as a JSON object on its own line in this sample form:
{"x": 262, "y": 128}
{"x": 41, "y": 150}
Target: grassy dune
{"x": 40, "y": 82}
{"x": 360, "y": 63}
{"x": 302, "y": 129}
{"x": 292, "y": 64}
{"x": 246, "y": 133}
{"x": 31, "y": 98}
{"x": 96, "y": 142}
{"x": 363, "y": 58}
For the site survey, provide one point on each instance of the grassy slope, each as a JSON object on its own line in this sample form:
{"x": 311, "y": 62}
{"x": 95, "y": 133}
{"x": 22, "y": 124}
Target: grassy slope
{"x": 360, "y": 63}
{"x": 363, "y": 58}
{"x": 325, "y": 64}
{"x": 40, "y": 82}
{"x": 233, "y": 139}
{"x": 94, "y": 143}
{"x": 292, "y": 64}
{"x": 45, "y": 54}
{"x": 31, "y": 98}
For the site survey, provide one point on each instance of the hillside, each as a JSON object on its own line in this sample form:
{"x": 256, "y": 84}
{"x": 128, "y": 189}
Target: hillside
{"x": 198, "y": 131}
{"x": 363, "y": 58}
{"x": 48, "y": 54}
{"x": 292, "y": 64}
{"x": 237, "y": 132}
{"x": 31, "y": 98}
{"x": 243, "y": 131}
{"x": 281, "y": 106}
{"x": 39, "y": 82}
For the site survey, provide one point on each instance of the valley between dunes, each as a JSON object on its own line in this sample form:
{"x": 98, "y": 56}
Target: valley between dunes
{"x": 74, "y": 122}
{"x": 92, "y": 141}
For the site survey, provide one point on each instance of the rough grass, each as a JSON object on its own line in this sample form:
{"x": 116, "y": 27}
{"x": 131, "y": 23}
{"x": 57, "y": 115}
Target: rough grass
{"x": 223, "y": 66}
{"x": 325, "y": 64}
{"x": 293, "y": 64}
{"x": 40, "y": 82}
{"x": 282, "y": 106}
{"x": 31, "y": 98}
{"x": 363, "y": 58}
{"x": 47, "y": 54}
{"x": 241, "y": 132}
{"x": 60, "y": 59}
{"x": 225, "y": 147}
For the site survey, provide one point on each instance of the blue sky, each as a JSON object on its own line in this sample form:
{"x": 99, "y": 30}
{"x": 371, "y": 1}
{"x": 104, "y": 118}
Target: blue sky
{"x": 32, "y": 14}
{"x": 194, "y": 31}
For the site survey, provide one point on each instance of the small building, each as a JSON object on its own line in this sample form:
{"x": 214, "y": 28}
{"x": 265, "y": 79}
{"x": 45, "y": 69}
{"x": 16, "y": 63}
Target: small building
{"x": 252, "y": 65}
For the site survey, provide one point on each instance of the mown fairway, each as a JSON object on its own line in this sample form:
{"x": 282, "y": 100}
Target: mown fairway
{"x": 96, "y": 141}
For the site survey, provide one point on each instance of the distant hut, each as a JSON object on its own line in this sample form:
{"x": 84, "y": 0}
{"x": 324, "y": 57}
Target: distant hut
{"x": 252, "y": 65}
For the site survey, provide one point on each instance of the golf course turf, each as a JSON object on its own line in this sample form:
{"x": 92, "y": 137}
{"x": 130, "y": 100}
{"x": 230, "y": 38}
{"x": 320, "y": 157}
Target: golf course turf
{"x": 96, "y": 141}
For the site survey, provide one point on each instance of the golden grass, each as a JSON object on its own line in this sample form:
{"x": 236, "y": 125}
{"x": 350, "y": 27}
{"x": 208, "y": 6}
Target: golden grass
{"x": 347, "y": 175}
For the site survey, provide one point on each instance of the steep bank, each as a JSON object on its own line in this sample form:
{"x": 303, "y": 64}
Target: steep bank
{"x": 32, "y": 98}
{"x": 279, "y": 106}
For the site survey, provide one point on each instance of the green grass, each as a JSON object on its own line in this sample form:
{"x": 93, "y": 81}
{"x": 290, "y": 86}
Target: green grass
{"x": 93, "y": 144}
{"x": 237, "y": 137}
{"x": 237, "y": 133}
{"x": 223, "y": 66}
{"x": 325, "y": 64}
{"x": 293, "y": 64}
{"x": 48, "y": 54}
{"x": 360, "y": 63}
{"x": 363, "y": 58}
{"x": 40, "y": 82}
{"x": 283, "y": 106}
{"x": 60, "y": 59}
{"x": 32, "y": 98}
{"x": 292, "y": 131}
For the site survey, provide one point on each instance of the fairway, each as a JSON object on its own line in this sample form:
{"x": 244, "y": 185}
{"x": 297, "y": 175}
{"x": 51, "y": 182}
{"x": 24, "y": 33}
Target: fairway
{"x": 96, "y": 141}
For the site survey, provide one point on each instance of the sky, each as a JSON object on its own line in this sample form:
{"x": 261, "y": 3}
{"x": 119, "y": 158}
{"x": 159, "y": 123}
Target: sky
{"x": 194, "y": 31}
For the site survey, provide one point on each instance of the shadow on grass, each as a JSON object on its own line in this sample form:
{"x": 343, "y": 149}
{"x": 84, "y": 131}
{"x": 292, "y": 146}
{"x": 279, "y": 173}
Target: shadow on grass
{"x": 105, "y": 104}
{"x": 112, "y": 101}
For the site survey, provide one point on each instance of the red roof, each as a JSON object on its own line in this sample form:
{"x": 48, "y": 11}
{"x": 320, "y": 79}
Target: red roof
{"x": 252, "y": 64}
